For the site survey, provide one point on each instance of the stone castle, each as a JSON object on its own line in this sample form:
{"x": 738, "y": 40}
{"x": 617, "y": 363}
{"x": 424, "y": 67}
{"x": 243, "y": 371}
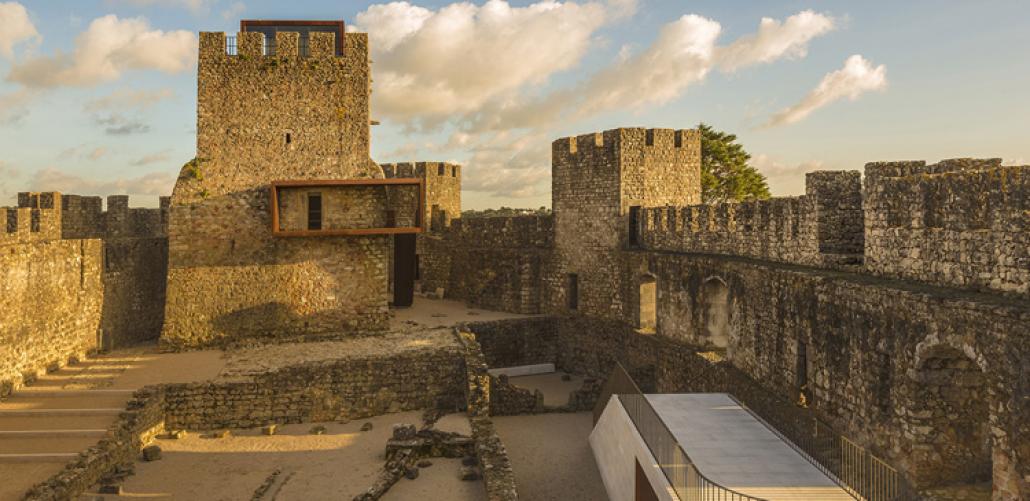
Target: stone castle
{"x": 894, "y": 303}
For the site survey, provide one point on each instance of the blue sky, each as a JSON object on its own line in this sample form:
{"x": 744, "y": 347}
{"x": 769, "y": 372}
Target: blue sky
{"x": 86, "y": 107}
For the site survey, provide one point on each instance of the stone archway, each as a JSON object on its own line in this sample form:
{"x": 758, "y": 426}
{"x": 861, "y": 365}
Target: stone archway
{"x": 648, "y": 311}
{"x": 715, "y": 308}
{"x": 948, "y": 418}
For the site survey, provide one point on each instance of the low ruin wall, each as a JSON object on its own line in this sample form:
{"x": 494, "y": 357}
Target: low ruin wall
{"x": 341, "y": 389}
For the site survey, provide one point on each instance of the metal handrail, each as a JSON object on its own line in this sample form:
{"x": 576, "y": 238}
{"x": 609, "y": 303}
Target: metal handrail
{"x": 686, "y": 480}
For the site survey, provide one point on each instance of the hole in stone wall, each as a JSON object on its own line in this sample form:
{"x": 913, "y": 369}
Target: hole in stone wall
{"x": 289, "y": 138}
{"x": 439, "y": 170}
{"x": 454, "y": 171}
{"x": 649, "y": 139}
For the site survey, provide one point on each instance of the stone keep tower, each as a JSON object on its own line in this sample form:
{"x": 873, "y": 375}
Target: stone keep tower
{"x": 598, "y": 183}
{"x": 301, "y": 114}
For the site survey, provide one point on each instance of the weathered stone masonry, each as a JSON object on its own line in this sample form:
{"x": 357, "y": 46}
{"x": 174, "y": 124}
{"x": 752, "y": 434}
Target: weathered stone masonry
{"x": 75, "y": 279}
{"x": 262, "y": 119}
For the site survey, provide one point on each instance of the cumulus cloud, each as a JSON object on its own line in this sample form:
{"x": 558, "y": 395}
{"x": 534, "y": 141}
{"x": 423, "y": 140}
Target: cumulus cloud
{"x": 52, "y": 179}
{"x": 432, "y": 65}
{"x": 857, "y": 77}
{"x": 680, "y": 56}
{"x": 109, "y": 47}
{"x": 127, "y": 98}
{"x": 15, "y": 27}
{"x": 775, "y": 40}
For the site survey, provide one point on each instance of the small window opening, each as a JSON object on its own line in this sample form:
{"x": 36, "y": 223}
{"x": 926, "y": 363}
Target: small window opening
{"x": 314, "y": 211}
{"x": 454, "y": 171}
{"x": 439, "y": 170}
{"x": 634, "y": 226}
{"x": 289, "y": 138}
{"x": 573, "y": 291}
{"x": 650, "y": 137}
{"x": 802, "y": 366}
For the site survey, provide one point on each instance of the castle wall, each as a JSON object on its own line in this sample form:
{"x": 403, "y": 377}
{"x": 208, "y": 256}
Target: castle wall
{"x": 870, "y": 369}
{"x": 261, "y": 119}
{"x": 961, "y": 223}
{"x": 823, "y": 227}
{"x": 443, "y": 189}
{"x": 596, "y": 179}
{"x": 50, "y": 291}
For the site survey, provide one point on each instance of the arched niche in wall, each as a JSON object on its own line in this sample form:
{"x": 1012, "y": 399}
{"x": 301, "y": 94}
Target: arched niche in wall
{"x": 715, "y": 311}
{"x": 948, "y": 415}
{"x": 647, "y": 320}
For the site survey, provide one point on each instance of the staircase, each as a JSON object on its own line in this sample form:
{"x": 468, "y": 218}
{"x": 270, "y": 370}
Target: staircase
{"x": 48, "y": 423}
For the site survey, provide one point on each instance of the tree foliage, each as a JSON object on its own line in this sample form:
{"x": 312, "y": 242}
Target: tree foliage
{"x": 725, "y": 173}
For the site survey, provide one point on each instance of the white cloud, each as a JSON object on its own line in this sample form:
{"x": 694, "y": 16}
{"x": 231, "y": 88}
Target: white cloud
{"x": 434, "y": 65}
{"x": 127, "y": 98}
{"x": 775, "y": 40}
{"x": 109, "y": 47}
{"x": 680, "y": 56}
{"x": 857, "y": 77}
{"x": 52, "y": 179}
{"x": 15, "y": 27}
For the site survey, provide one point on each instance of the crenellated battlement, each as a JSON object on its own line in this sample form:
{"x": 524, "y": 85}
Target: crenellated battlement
{"x": 516, "y": 232}
{"x": 960, "y": 222}
{"x": 421, "y": 169}
{"x": 53, "y": 216}
{"x": 611, "y": 143}
{"x": 822, "y": 227}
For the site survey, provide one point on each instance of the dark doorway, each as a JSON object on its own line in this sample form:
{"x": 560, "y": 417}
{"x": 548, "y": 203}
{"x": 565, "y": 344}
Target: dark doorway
{"x": 403, "y": 269}
{"x": 644, "y": 491}
{"x": 634, "y": 226}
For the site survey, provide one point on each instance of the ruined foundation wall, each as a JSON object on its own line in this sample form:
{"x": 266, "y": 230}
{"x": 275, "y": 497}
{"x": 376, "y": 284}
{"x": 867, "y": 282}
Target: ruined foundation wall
{"x": 262, "y": 119}
{"x": 333, "y": 390}
{"x": 962, "y": 223}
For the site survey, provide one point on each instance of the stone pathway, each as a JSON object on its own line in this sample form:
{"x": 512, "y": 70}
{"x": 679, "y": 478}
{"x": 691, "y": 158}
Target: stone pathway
{"x": 47, "y": 423}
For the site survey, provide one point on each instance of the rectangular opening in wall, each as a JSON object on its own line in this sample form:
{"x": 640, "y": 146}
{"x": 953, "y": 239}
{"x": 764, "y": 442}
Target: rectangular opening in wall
{"x": 634, "y": 226}
{"x": 573, "y": 291}
{"x": 650, "y": 137}
{"x": 439, "y": 170}
{"x": 314, "y": 211}
{"x": 454, "y": 171}
{"x": 802, "y": 366}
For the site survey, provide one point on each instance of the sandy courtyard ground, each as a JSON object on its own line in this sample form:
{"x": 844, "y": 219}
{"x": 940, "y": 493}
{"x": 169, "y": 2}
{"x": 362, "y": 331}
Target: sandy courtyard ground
{"x": 551, "y": 456}
{"x": 556, "y": 391}
{"x": 338, "y": 465}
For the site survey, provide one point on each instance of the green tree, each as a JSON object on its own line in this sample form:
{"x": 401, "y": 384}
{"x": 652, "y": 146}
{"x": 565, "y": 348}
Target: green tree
{"x": 725, "y": 173}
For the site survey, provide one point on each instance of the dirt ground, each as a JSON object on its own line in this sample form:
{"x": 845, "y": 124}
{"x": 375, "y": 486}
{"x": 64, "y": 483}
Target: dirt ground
{"x": 340, "y": 464}
{"x": 551, "y": 456}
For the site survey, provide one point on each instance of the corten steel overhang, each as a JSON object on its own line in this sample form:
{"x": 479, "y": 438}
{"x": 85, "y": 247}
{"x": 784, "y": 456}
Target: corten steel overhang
{"x": 329, "y": 183}
{"x": 247, "y": 23}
